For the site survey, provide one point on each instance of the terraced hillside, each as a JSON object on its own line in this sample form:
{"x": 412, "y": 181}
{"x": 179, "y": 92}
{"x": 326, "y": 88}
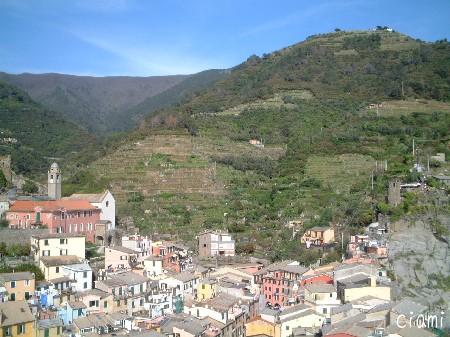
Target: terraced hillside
{"x": 166, "y": 180}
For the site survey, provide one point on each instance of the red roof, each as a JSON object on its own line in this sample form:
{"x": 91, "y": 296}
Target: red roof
{"x": 51, "y": 206}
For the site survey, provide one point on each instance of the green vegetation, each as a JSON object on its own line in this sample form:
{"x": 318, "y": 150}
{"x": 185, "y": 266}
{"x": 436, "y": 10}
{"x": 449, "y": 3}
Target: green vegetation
{"x": 39, "y": 276}
{"x": 14, "y": 249}
{"x": 3, "y": 181}
{"x": 30, "y": 187}
{"x": 190, "y": 166}
{"x": 39, "y": 136}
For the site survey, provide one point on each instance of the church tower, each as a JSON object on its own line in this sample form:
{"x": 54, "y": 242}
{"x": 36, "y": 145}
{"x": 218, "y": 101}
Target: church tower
{"x": 54, "y": 182}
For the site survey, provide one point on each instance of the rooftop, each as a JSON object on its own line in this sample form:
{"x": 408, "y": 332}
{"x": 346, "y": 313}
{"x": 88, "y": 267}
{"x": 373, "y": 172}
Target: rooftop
{"x": 122, "y": 249}
{"x": 222, "y": 302}
{"x": 49, "y": 323}
{"x": 51, "y": 205}
{"x": 77, "y": 305}
{"x": 184, "y": 276}
{"x": 91, "y": 197}
{"x": 15, "y": 312}
{"x": 288, "y": 266}
{"x": 93, "y": 292}
{"x": 320, "y": 288}
{"x": 7, "y": 277}
{"x": 57, "y": 235}
{"x": 53, "y": 261}
{"x": 128, "y": 278}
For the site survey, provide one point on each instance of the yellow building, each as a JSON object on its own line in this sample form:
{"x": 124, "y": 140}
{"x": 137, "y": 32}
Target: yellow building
{"x": 19, "y": 286}
{"x": 16, "y": 319}
{"x": 282, "y": 323}
{"x": 206, "y": 289}
{"x": 51, "y": 266}
{"x": 358, "y": 286}
{"x": 58, "y": 245}
{"x": 49, "y": 328}
{"x": 318, "y": 236}
{"x": 260, "y": 327}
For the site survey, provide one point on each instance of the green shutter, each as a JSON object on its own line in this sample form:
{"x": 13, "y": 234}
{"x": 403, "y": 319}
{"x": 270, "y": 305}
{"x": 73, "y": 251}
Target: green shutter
{"x": 46, "y": 333}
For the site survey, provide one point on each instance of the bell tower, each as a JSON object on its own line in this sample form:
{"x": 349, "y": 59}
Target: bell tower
{"x": 54, "y": 182}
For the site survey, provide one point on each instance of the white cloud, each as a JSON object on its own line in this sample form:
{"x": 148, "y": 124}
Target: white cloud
{"x": 148, "y": 60}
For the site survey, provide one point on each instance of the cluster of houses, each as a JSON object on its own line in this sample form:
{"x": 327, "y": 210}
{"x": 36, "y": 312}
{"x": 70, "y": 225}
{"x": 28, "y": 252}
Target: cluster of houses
{"x": 147, "y": 287}
{"x": 156, "y": 288}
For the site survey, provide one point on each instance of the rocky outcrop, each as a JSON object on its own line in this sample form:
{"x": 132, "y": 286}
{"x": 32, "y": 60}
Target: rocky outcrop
{"x": 419, "y": 260}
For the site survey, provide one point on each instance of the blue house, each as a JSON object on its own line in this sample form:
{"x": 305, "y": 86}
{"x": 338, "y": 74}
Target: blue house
{"x": 71, "y": 311}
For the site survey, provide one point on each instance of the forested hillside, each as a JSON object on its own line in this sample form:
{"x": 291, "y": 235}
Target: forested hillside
{"x": 97, "y": 104}
{"x": 35, "y": 136}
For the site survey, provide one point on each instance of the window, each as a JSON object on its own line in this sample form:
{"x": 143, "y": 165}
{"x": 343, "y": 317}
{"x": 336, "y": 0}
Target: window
{"x": 84, "y": 274}
{"x": 12, "y": 297}
{"x": 85, "y": 285}
{"x": 45, "y": 242}
{"x": 63, "y": 252}
{"x": 21, "y": 329}
{"x": 287, "y": 327}
{"x": 27, "y": 295}
{"x": 324, "y": 310}
{"x": 203, "y": 286}
{"x": 7, "y": 331}
{"x": 45, "y": 253}
{"x": 57, "y": 270}
{"x": 13, "y": 284}
{"x": 62, "y": 241}
{"x": 105, "y": 304}
{"x": 107, "y": 203}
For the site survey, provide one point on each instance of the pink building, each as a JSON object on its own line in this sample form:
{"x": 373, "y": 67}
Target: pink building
{"x": 280, "y": 282}
{"x": 59, "y": 216}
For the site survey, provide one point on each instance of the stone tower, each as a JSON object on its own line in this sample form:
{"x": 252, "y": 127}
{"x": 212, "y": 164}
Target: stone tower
{"x": 5, "y": 167}
{"x": 54, "y": 182}
{"x": 394, "y": 197}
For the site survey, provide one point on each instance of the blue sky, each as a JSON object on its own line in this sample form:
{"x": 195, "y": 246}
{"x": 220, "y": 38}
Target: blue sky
{"x": 150, "y": 37}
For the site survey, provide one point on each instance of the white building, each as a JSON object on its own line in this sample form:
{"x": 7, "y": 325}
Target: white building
{"x": 81, "y": 273}
{"x": 183, "y": 284}
{"x": 323, "y": 297}
{"x": 213, "y": 243}
{"x": 153, "y": 266}
{"x": 140, "y": 244}
{"x": 104, "y": 201}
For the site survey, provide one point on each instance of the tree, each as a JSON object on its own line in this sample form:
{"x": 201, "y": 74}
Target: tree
{"x": 3, "y": 181}
{"x": 30, "y": 187}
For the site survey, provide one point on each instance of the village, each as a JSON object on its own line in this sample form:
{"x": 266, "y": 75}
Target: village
{"x": 102, "y": 281}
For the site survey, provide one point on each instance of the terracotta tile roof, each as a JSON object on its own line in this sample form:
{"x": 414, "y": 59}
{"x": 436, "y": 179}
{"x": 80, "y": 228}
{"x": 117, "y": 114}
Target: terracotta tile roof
{"x": 51, "y": 206}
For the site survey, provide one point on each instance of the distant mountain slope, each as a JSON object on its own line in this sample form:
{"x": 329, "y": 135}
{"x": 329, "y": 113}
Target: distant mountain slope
{"x": 94, "y": 103}
{"x": 35, "y": 136}
{"x": 177, "y": 94}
